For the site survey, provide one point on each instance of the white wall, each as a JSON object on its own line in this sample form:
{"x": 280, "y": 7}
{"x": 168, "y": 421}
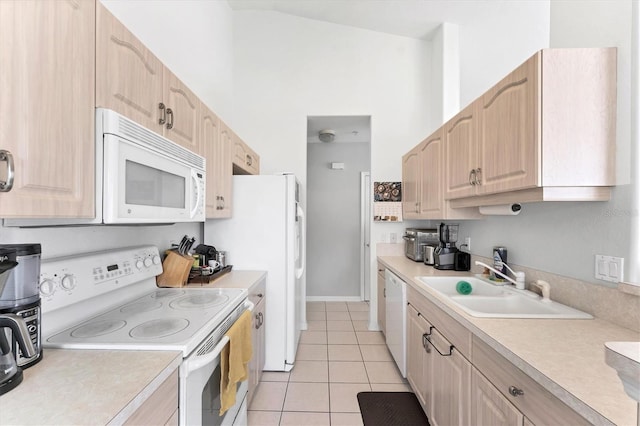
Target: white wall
{"x": 194, "y": 38}
{"x": 495, "y": 45}
{"x": 333, "y": 218}
{"x": 564, "y": 237}
{"x": 287, "y": 68}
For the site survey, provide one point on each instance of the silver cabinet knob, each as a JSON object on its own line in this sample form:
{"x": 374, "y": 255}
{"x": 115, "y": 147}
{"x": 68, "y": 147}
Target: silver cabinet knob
{"x": 514, "y": 391}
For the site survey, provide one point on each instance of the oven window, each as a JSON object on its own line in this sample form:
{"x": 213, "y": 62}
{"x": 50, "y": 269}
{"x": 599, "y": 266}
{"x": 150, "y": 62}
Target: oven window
{"x": 211, "y": 402}
{"x": 147, "y": 186}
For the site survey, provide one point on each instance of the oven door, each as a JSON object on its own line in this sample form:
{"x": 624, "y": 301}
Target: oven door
{"x": 145, "y": 186}
{"x": 200, "y": 391}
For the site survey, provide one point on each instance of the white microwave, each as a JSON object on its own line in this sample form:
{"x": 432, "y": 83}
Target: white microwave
{"x": 141, "y": 178}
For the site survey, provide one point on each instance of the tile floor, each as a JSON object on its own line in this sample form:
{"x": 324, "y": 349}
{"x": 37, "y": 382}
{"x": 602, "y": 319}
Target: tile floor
{"x": 337, "y": 358}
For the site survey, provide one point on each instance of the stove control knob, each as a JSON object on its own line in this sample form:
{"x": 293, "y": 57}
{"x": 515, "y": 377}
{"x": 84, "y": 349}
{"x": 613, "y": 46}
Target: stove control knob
{"x": 156, "y": 260}
{"x": 147, "y": 262}
{"x": 47, "y": 287}
{"x": 139, "y": 264}
{"x": 68, "y": 282}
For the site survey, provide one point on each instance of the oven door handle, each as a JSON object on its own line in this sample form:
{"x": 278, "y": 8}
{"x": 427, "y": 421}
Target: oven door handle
{"x": 200, "y": 361}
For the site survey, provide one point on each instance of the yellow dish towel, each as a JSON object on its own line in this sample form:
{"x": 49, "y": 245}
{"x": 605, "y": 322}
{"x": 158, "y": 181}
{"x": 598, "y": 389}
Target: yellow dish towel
{"x": 234, "y": 359}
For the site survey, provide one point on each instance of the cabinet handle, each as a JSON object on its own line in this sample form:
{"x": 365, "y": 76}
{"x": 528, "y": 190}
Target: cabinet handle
{"x": 384, "y": 292}
{"x": 5, "y": 186}
{"x": 428, "y": 338}
{"x": 249, "y": 160}
{"x": 514, "y": 391}
{"x": 223, "y": 204}
{"x": 257, "y": 321}
{"x": 472, "y": 177}
{"x": 170, "y": 114}
{"x": 260, "y": 295}
{"x": 261, "y": 319}
{"x": 163, "y": 114}
{"x": 478, "y": 178}
{"x": 426, "y": 347}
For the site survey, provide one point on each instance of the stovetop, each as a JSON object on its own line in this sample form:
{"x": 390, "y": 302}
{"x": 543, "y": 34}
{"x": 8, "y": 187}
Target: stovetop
{"x": 164, "y": 319}
{"x": 110, "y": 301}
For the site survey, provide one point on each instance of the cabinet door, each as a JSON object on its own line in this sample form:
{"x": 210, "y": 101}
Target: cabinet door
{"x": 128, "y": 76}
{"x": 419, "y": 358}
{"x": 509, "y": 139}
{"x": 210, "y": 140}
{"x": 451, "y": 382}
{"x": 256, "y": 364}
{"x": 381, "y": 300}
{"x": 182, "y": 113}
{"x": 431, "y": 198}
{"x": 460, "y": 141}
{"x": 411, "y": 184}
{"x": 225, "y": 176}
{"x": 489, "y": 407}
{"x": 247, "y": 162}
{"x": 47, "y": 73}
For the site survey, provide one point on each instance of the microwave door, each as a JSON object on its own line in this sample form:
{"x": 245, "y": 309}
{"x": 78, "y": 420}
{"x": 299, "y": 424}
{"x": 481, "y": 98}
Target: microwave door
{"x": 142, "y": 186}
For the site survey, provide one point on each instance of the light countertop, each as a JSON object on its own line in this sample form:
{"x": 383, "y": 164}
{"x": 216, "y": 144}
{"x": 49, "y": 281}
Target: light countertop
{"x": 96, "y": 386}
{"x": 86, "y": 386}
{"x": 566, "y": 357}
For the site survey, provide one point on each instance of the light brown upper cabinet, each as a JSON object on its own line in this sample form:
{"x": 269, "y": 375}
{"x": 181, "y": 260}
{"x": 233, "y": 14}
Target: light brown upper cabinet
{"x": 423, "y": 177}
{"x": 216, "y": 141}
{"x": 47, "y": 108}
{"x": 132, "y": 81}
{"x": 245, "y": 160}
{"x": 546, "y": 132}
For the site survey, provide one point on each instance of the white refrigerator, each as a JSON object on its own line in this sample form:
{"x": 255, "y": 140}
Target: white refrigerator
{"x": 267, "y": 233}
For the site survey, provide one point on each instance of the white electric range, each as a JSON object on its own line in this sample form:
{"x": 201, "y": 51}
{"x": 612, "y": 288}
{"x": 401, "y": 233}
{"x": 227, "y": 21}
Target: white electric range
{"x": 109, "y": 300}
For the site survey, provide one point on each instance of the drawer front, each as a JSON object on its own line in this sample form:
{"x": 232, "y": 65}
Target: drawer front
{"x": 458, "y": 335}
{"x": 539, "y": 405}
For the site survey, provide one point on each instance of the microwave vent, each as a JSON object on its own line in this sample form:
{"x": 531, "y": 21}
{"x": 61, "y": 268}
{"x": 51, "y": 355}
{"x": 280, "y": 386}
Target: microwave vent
{"x": 135, "y": 133}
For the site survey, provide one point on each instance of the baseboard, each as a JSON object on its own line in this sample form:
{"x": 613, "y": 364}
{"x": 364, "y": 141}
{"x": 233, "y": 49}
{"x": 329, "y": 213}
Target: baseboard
{"x": 334, "y": 299}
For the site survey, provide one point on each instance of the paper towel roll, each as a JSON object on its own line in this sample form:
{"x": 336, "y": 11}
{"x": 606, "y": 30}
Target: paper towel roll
{"x": 501, "y": 210}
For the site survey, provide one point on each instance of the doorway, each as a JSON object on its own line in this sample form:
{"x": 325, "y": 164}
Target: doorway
{"x": 338, "y": 221}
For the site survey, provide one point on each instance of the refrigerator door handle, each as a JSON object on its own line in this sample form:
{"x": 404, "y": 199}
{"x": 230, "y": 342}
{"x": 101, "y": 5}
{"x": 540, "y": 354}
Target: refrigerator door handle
{"x": 303, "y": 243}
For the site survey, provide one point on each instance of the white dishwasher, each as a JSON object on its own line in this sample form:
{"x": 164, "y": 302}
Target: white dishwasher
{"x": 396, "y": 319}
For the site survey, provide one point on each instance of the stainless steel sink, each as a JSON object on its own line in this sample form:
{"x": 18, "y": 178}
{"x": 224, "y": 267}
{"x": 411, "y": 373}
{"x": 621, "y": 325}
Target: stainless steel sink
{"x": 494, "y": 301}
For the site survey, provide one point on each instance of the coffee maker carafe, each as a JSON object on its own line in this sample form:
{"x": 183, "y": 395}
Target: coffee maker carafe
{"x": 445, "y": 253}
{"x": 10, "y": 373}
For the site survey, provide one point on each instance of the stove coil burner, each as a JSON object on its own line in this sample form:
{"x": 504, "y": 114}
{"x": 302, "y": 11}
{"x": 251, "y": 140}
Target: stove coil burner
{"x": 159, "y": 328}
{"x": 199, "y": 301}
{"x": 97, "y": 328}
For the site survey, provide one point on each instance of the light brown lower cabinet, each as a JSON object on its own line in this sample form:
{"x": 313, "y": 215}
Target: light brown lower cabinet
{"x": 439, "y": 375}
{"x": 256, "y": 365}
{"x": 161, "y": 408}
{"x": 489, "y": 407}
{"x": 468, "y": 382}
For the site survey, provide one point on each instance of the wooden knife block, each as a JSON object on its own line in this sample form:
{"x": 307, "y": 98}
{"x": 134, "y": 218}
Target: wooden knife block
{"x": 175, "y": 270}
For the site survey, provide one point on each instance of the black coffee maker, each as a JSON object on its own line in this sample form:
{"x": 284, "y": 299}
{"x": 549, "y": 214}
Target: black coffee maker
{"x": 445, "y": 253}
{"x": 21, "y": 296}
{"x": 10, "y": 372}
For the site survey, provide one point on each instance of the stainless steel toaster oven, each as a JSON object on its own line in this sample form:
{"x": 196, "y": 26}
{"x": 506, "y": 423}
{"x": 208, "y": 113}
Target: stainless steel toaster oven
{"x": 415, "y": 239}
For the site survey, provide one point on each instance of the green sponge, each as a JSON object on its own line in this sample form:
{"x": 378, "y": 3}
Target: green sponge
{"x": 463, "y": 287}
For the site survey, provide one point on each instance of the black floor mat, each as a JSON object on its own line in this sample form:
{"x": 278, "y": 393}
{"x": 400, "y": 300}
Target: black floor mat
{"x": 391, "y": 409}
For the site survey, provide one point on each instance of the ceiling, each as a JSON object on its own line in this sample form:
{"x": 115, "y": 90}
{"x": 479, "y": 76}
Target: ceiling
{"x": 349, "y": 128}
{"x": 409, "y": 18}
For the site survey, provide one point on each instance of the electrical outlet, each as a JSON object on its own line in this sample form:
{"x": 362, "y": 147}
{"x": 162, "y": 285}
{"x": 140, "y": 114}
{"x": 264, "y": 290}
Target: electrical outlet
{"x": 393, "y": 238}
{"x": 467, "y": 243}
{"x": 609, "y": 268}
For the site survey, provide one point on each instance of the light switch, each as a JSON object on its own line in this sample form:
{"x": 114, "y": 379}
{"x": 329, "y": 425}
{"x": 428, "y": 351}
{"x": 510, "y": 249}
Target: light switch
{"x": 609, "y": 268}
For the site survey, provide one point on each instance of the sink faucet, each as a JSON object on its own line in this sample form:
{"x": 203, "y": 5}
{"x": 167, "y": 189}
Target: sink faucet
{"x": 518, "y": 282}
{"x": 544, "y": 287}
